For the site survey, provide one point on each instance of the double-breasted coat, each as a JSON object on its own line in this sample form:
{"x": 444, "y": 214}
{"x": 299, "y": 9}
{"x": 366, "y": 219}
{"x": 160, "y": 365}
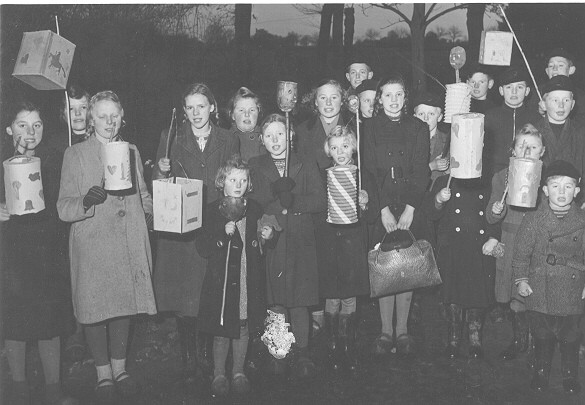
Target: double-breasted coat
{"x": 212, "y": 243}
{"x": 556, "y": 287}
{"x": 180, "y": 270}
{"x": 250, "y": 144}
{"x": 462, "y": 229}
{"x": 292, "y": 278}
{"x": 109, "y": 247}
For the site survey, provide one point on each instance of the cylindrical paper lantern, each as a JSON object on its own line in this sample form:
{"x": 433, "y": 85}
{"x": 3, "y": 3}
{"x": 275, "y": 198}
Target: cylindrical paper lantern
{"x": 457, "y": 100}
{"x": 523, "y": 181}
{"x": 342, "y": 195}
{"x": 23, "y": 185}
{"x": 116, "y": 161}
{"x": 466, "y": 145}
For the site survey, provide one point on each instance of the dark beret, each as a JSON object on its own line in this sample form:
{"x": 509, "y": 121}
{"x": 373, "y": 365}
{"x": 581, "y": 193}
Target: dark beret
{"x": 559, "y": 82}
{"x": 561, "y": 168}
{"x": 562, "y": 52}
{"x": 429, "y": 99}
{"x": 513, "y": 75}
{"x": 368, "y": 84}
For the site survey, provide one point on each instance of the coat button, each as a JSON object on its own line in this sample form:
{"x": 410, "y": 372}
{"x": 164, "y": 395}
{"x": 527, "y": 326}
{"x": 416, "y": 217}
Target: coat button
{"x": 458, "y": 195}
{"x": 481, "y": 231}
{"x": 457, "y": 211}
{"x": 573, "y": 276}
{"x": 389, "y": 153}
{"x": 202, "y": 164}
{"x": 121, "y": 198}
{"x": 481, "y": 213}
{"x": 121, "y": 213}
{"x": 457, "y": 229}
{"x": 338, "y": 233}
{"x": 254, "y": 243}
{"x": 575, "y": 238}
{"x": 401, "y": 153}
{"x": 551, "y": 240}
{"x": 219, "y": 243}
{"x": 481, "y": 196}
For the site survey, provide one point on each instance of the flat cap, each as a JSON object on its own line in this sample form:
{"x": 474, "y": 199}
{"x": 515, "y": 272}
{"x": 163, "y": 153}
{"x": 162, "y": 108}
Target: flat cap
{"x": 562, "y": 168}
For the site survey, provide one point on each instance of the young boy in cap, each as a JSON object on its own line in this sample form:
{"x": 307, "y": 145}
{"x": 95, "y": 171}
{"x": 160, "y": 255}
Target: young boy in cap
{"x": 481, "y": 81}
{"x": 502, "y": 122}
{"x": 549, "y": 272}
{"x": 366, "y": 93}
{"x": 356, "y": 73}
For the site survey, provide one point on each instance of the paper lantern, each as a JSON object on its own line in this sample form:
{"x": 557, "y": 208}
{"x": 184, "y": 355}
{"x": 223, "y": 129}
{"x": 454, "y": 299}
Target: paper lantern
{"x": 523, "y": 181}
{"x": 44, "y": 60}
{"x": 116, "y": 160}
{"x": 342, "y": 195}
{"x": 496, "y": 48}
{"x": 457, "y": 100}
{"x": 177, "y": 204}
{"x": 23, "y": 185}
{"x": 466, "y": 145}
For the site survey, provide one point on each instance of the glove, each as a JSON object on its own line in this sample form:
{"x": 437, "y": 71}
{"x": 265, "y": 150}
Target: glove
{"x": 95, "y": 196}
{"x": 286, "y": 199}
{"x": 149, "y": 221}
{"x": 283, "y": 184}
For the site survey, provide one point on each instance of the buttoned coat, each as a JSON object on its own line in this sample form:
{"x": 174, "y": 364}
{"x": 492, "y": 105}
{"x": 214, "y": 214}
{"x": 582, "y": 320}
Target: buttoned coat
{"x": 569, "y": 146}
{"x": 250, "y": 144}
{"x": 180, "y": 270}
{"x": 291, "y": 267}
{"x": 556, "y": 289}
{"x": 109, "y": 247}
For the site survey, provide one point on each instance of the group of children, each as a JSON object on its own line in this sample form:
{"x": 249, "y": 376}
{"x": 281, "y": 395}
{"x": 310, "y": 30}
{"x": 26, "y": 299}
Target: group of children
{"x": 266, "y": 242}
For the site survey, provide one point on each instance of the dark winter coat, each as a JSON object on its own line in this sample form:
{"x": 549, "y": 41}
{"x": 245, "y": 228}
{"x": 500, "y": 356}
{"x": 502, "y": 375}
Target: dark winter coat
{"x": 250, "y": 145}
{"x": 438, "y": 146}
{"x": 570, "y": 145}
{"x": 481, "y": 106}
{"x": 556, "y": 288}
{"x": 462, "y": 229}
{"x": 311, "y": 139}
{"x": 180, "y": 270}
{"x": 212, "y": 243}
{"x": 292, "y": 266}
{"x": 35, "y": 283}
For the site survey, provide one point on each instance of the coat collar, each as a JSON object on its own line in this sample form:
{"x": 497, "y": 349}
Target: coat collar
{"x": 268, "y": 167}
{"x": 186, "y": 139}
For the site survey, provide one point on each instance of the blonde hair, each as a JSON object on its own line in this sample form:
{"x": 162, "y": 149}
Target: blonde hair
{"x": 344, "y": 132}
{"x": 101, "y": 96}
{"x": 234, "y": 163}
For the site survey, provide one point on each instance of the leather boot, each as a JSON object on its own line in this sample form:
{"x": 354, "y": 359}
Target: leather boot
{"x": 520, "y": 341}
{"x": 543, "y": 353}
{"x": 347, "y": 332}
{"x": 570, "y": 366}
{"x": 187, "y": 331}
{"x": 454, "y": 315}
{"x": 332, "y": 340}
{"x": 475, "y": 319}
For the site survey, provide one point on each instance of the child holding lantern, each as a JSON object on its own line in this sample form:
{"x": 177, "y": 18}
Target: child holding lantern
{"x": 527, "y": 143}
{"x": 231, "y": 223}
{"x": 108, "y": 244}
{"x": 291, "y": 267}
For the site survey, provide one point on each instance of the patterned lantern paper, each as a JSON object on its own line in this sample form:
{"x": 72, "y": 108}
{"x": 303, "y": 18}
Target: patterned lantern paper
{"x": 116, "y": 161}
{"x": 466, "y": 145}
{"x": 523, "y": 181}
{"x": 23, "y": 185}
{"x": 342, "y": 195}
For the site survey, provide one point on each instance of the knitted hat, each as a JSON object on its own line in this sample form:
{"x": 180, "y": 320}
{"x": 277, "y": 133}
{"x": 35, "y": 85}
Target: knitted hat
{"x": 559, "y": 52}
{"x": 513, "y": 75}
{"x": 561, "y": 168}
{"x": 429, "y": 99}
{"x": 368, "y": 84}
{"x": 559, "y": 82}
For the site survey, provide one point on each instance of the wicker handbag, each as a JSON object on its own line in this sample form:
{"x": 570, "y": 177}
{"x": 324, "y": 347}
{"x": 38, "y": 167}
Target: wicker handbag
{"x": 400, "y": 270}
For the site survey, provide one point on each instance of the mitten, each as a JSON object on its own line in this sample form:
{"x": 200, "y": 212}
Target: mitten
{"x": 283, "y": 184}
{"x": 149, "y": 221}
{"x": 95, "y": 196}
{"x": 286, "y": 199}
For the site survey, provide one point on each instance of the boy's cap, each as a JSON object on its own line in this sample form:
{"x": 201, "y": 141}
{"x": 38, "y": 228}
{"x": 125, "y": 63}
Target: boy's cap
{"x": 562, "y": 52}
{"x": 429, "y": 99}
{"x": 513, "y": 74}
{"x": 368, "y": 84}
{"x": 562, "y": 168}
{"x": 559, "y": 82}
{"x": 473, "y": 68}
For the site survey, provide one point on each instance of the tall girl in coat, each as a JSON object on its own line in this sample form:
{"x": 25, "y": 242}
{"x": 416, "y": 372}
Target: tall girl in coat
{"x": 343, "y": 271}
{"x": 197, "y": 151}
{"x": 396, "y": 152}
{"x": 109, "y": 245}
{"x": 35, "y": 289}
{"x": 232, "y": 222}
{"x": 292, "y": 280}
{"x": 245, "y": 109}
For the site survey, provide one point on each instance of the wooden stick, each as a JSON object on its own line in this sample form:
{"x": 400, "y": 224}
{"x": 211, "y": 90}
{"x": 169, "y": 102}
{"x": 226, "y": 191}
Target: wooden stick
{"x": 113, "y": 132}
{"x": 227, "y": 261}
{"x": 67, "y": 106}
{"x": 286, "y": 156}
{"x": 457, "y": 78}
{"x": 359, "y": 161}
{"x": 505, "y": 192}
{"x": 169, "y": 133}
{"x": 449, "y": 181}
{"x": 521, "y": 51}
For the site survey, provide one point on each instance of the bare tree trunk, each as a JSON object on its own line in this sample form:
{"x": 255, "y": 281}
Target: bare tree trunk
{"x": 324, "y": 35}
{"x": 243, "y": 20}
{"x": 349, "y": 31}
{"x": 337, "y": 36}
{"x": 417, "y": 34}
{"x": 475, "y": 12}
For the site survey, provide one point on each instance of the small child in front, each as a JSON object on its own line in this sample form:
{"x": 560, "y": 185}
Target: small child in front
{"x": 549, "y": 272}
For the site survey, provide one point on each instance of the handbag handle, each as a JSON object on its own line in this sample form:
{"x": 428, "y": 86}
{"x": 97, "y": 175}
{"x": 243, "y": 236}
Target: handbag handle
{"x": 414, "y": 242}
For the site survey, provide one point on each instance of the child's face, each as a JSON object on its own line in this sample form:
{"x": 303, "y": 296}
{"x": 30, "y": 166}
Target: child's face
{"x": 560, "y": 190}
{"x": 107, "y": 119}
{"x": 328, "y": 101}
{"x": 26, "y": 130}
{"x": 514, "y": 93}
{"x": 480, "y": 84}
{"x": 274, "y": 138}
{"x": 558, "y": 105}
{"x": 392, "y": 99}
{"x": 236, "y": 183}
{"x": 340, "y": 150}
{"x": 78, "y": 113}
{"x": 245, "y": 114}
{"x": 358, "y": 72}
{"x": 429, "y": 114}
{"x": 197, "y": 109}
{"x": 557, "y": 65}
{"x": 529, "y": 146}
{"x": 367, "y": 100}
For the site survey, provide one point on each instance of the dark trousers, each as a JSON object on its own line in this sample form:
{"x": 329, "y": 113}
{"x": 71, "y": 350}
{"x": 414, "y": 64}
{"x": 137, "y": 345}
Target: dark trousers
{"x": 562, "y": 328}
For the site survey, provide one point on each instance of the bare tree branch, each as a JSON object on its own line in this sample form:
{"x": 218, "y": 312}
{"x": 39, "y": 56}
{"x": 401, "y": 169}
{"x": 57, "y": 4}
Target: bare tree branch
{"x": 431, "y": 8}
{"x": 393, "y": 8}
{"x": 448, "y": 10}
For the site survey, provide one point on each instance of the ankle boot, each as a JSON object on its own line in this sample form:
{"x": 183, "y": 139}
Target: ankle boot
{"x": 570, "y": 366}
{"x": 520, "y": 341}
{"x": 187, "y": 331}
{"x": 454, "y": 315}
{"x": 475, "y": 319}
{"x": 332, "y": 340}
{"x": 543, "y": 353}
{"x": 347, "y": 332}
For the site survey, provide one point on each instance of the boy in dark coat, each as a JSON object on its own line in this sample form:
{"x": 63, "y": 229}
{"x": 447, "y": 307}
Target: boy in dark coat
{"x": 479, "y": 77}
{"x": 549, "y": 272}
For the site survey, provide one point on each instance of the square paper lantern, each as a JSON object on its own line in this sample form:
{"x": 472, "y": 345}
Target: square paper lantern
{"x": 44, "y": 60}
{"x": 496, "y": 48}
{"x": 177, "y": 204}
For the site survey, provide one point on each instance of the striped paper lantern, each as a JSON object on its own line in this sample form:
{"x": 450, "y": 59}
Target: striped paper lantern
{"x": 342, "y": 195}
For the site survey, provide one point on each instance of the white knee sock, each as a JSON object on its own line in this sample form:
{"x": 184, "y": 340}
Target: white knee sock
{"x": 118, "y": 367}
